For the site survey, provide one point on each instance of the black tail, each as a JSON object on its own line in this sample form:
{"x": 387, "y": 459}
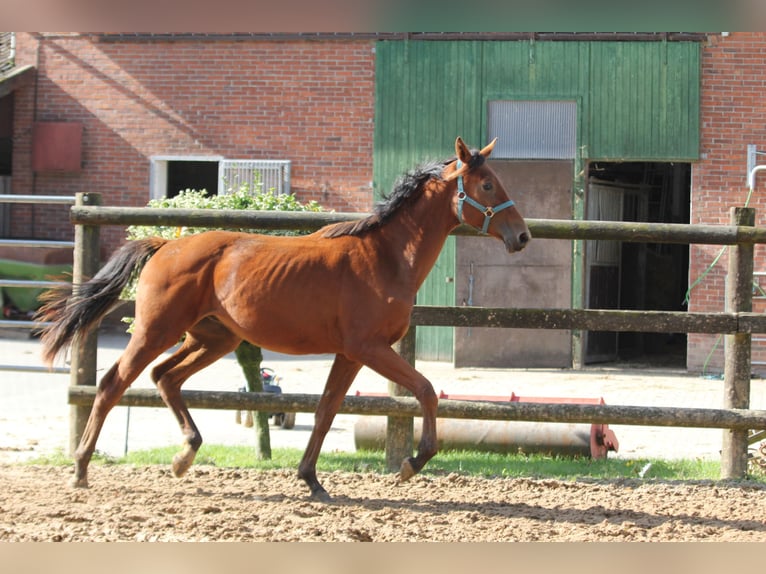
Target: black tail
{"x": 78, "y": 309}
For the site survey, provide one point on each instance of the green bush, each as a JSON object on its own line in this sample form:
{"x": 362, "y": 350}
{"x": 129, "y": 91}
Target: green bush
{"x": 242, "y": 198}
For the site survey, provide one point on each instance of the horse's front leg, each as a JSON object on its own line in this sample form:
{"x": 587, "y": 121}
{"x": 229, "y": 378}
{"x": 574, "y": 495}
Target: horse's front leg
{"x": 385, "y": 361}
{"x": 341, "y": 376}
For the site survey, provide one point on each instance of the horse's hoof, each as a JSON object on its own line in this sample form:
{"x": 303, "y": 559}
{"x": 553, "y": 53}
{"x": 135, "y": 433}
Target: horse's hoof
{"x": 321, "y": 496}
{"x": 406, "y": 471}
{"x": 79, "y": 483}
{"x": 181, "y": 463}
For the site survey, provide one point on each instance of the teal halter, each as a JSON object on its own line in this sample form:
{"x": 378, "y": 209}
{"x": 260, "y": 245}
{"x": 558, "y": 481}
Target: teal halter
{"x": 488, "y": 212}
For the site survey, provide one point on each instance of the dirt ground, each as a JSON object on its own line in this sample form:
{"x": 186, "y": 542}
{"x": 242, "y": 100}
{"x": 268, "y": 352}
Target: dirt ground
{"x": 212, "y": 504}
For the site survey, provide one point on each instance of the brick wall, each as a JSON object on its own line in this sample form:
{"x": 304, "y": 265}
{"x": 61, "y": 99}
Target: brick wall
{"x": 311, "y": 102}
{"x": 733, "y": 115}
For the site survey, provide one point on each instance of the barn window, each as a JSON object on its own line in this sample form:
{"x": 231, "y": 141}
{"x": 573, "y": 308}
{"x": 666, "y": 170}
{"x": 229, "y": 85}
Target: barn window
{"x": 216, "y": 175}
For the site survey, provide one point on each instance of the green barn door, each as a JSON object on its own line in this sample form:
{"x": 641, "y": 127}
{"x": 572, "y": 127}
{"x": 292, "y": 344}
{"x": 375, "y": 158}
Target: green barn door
{"x": 437, "y": 343}
{"x": 427, "y": 94}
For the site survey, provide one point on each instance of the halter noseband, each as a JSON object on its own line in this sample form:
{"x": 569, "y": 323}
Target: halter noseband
{"x": 488, "y": 211}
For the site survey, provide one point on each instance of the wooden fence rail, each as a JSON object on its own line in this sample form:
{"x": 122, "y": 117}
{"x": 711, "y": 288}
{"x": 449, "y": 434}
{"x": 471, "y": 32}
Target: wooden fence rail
{"x": 635, "y": 232}
{"x": 484, "y": 410}
{"x": 737, "y": 324}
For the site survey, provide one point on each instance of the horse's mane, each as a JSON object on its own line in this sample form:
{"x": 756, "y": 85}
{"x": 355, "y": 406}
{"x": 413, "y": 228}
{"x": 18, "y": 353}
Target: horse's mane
{"x": 407, "y": 188}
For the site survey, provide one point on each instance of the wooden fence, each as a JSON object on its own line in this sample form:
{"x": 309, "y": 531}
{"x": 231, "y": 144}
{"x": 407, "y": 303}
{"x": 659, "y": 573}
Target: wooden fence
{"x": 737, "y": 323}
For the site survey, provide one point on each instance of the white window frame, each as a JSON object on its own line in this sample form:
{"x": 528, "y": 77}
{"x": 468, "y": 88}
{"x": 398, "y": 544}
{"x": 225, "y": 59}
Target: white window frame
{"x": 158, "y": 171}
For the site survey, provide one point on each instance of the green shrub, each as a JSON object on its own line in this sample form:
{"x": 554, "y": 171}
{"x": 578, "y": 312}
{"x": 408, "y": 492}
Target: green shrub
{"x": 242, "y": 198}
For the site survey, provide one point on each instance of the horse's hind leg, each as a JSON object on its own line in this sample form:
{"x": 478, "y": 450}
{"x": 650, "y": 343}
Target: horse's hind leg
{"x": 205, "y": 343}
{"x": 138, "y": 354}
{"x": 341, "y": 376}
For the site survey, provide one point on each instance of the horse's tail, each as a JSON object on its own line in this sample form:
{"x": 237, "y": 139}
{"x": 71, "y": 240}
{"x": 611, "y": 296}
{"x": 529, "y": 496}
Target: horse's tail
{"x": 78, "y": 309}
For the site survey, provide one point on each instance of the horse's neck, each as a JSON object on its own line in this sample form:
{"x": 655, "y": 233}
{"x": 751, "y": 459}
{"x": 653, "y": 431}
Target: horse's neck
{"x": 415, "y": 236}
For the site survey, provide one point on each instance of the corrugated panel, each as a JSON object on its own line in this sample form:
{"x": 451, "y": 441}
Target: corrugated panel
{"x": 533, "y": 129}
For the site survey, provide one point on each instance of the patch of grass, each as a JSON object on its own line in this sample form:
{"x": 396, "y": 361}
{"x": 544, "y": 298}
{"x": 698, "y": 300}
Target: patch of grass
{"x": 462, "y": 462}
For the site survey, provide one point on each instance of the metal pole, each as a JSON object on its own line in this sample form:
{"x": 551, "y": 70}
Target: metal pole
{"x": 85, "y": 265}
{"x": 400, "y": 430}
{"x": 737, "y": 347}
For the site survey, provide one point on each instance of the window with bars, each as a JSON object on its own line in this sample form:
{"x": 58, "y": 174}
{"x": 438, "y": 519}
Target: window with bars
{"x": 7, "y": 51}
{"x": 256, "y": 175}
{"x": 217, "y": 175}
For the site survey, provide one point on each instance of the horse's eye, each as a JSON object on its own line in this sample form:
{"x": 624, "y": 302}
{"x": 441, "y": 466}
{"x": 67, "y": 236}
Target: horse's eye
{"x": 487, "y": 186}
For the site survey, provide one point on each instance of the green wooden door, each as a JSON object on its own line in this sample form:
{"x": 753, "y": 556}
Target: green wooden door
{"x": 639, "y": 102}
{"x": 427, "y": 94}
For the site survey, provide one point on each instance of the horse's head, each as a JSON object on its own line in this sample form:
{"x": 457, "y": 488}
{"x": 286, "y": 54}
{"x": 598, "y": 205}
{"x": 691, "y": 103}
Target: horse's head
{"x": 481, "y": 200}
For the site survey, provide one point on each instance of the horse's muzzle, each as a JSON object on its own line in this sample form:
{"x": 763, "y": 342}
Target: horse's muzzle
{"x": 517, "y": 241}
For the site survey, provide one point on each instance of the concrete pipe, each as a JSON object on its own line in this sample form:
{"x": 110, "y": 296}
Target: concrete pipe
{"x": 507, "y": 437}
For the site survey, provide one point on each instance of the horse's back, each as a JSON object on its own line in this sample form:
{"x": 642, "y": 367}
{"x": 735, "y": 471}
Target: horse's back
{"x": 286, "y": 293}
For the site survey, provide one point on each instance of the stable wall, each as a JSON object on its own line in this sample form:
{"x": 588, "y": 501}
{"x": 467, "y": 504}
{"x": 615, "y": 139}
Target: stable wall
{"x": 733, "y": 113}
{"x": 137, "y": 96}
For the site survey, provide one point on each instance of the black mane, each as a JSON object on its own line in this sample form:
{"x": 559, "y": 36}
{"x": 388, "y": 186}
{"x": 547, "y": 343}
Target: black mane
{"x": 407, "y": 188}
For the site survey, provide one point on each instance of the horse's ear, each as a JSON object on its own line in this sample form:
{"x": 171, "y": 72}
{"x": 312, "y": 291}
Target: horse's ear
{"x": 461, "y": 150}
{"x": 464, "y": 155}
{"x": 488, "y": 149}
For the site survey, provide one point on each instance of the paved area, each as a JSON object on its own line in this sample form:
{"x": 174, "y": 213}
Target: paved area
{"x": 34, "y": 411}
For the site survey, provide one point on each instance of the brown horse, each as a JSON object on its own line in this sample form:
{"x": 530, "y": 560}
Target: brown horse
{"x": 347, "y": 289}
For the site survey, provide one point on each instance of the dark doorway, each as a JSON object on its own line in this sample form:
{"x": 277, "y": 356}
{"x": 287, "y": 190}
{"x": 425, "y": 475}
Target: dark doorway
{"x": 640, "y": 276}
{"x": 197, "y": 175}
{"x": 6, "y": 159}
{"x": 6, "y": 134}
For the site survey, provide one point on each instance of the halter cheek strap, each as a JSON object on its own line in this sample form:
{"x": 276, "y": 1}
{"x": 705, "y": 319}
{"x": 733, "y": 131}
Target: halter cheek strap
{"x": 488, "y": 211}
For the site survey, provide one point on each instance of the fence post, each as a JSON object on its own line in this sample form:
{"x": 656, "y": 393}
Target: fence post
{"x": 737, "y": 347}
{"x": 399, "y": 430}
{"x": 85, "y": 264}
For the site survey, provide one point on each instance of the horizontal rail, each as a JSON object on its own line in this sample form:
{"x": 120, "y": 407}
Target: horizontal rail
{"x": 34, "y": 369}
{"x": 406, "y": 406}
{"x": 23, "y": 324}
{"x": 29, "y": 283}
{"x": 36, "y": 243}
{"x": 589, "y": 319}
{"x": 309, "y": 221}
{"x": 42, "y": 199}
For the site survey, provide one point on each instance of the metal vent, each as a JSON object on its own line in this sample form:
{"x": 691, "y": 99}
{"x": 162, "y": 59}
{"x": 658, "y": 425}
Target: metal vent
{"x": 533, "y": 129}
{"x": 7, "y": 51}
{"x": 256, "y": 175}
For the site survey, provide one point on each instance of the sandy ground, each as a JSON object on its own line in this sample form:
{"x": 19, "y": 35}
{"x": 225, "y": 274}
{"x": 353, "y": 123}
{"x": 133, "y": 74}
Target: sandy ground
{"x": 142, "y": 504}
{"x": 212, "y": 504}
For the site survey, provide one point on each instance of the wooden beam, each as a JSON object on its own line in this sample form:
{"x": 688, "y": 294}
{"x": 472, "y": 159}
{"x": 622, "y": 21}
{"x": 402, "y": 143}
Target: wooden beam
{"x": 407, "y": 406}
